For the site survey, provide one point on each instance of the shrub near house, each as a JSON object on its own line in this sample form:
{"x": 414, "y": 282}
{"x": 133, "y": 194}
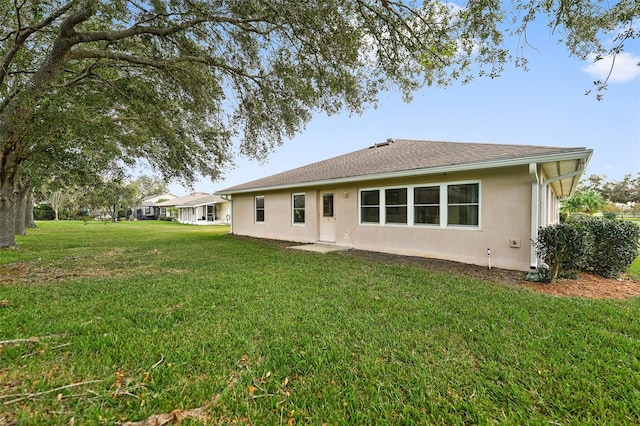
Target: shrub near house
{"x": 602, "y": 246}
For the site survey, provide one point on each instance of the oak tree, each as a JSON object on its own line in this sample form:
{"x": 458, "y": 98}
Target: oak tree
{"x": 178, "y": 82}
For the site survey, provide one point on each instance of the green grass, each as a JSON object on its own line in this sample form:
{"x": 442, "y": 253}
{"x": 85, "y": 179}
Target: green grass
{"x": 634, "y": 269}
{"x": 141, "y": 318}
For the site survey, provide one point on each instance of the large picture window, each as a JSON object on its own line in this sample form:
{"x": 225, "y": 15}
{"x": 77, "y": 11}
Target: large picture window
{"x": 298, "y": 208}
{"x": 426, "y": 205}
{"x": 463, "y": 204}
{"x": 395, "y": 204}
{"x": 443, "y": 205}
{"x": 370, "y": 206}
{"x": 259, "y": 203}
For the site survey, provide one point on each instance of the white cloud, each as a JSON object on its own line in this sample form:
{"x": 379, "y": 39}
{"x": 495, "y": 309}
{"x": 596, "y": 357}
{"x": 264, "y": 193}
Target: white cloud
{"x": 625, "y": 68}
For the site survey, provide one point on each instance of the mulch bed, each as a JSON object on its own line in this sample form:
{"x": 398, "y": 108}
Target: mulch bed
{"x": 587, "y": 285}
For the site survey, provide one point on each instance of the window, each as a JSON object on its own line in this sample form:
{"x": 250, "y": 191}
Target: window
{"x": 327, "y": 205}
{"x": 426, "y": 205}
{"x": 442, "y": 204}
{"x": 395, "y": 203}
{"x": 463, "y": 204}
{"x": 259, "y": 202}
{"x": 370, "y": 206}
{"x": 298, "y": 208}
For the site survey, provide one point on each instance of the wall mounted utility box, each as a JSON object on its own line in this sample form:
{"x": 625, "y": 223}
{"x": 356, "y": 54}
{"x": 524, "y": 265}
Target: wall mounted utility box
{"x": 513, "y": 243}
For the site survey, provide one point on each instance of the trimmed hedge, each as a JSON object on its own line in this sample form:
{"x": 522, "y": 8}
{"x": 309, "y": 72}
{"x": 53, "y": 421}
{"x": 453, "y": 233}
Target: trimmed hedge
{"x": 602, "y": 246}
{"x": 564, "y": 248}
{"x": 615, "y": 244}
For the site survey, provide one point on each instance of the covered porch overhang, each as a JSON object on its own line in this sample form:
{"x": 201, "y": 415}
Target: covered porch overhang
{"x": 562, "y": 176}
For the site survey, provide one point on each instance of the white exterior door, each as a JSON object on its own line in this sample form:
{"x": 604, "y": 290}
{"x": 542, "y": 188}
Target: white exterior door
{"x": 327, "y": 219}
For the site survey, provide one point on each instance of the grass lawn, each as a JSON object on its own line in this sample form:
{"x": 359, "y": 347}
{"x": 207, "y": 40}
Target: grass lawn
{"x": 142, "y": 318}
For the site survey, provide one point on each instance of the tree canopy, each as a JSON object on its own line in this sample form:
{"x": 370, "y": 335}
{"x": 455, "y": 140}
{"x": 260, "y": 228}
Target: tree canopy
{"x": 177, "y": 83}
{"x": 626, "y": 190}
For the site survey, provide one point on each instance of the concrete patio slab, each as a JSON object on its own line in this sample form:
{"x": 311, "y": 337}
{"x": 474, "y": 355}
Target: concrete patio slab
{"x": 319, "y": 248}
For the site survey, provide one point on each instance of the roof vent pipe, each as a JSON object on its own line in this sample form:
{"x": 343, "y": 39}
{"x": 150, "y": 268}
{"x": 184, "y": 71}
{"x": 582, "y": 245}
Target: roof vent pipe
{"x": 381, "y": 144}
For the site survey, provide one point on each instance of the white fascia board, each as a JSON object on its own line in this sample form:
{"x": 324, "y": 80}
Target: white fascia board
{"x": 572, "y": 155}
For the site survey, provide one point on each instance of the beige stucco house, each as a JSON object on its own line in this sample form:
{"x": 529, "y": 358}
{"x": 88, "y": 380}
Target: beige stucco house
{"x": 150, "y": 210}
{"x": 200, "y": 208}
{"x": 468, "y": 202}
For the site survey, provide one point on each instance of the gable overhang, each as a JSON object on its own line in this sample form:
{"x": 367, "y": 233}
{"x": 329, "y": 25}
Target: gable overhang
{"x": 563, "y": 175}
{"x": 564, "y": 167}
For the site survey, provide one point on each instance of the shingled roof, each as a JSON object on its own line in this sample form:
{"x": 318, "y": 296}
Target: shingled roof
{"x": 401, "y": 157}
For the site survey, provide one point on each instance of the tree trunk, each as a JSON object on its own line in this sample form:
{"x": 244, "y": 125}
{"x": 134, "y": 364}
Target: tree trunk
{"x": 19, "y": 205}
{"x": 29, "y": 219}
{"x": 7, "y": 227}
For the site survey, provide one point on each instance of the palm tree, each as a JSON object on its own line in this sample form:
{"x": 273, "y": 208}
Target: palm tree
{"x": 588, "y": 202}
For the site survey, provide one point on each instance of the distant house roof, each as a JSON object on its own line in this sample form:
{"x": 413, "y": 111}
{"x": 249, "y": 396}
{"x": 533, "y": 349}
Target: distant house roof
{"x": 151, "y": 200}
{"x": 182, "y": 200}
{"x": 202, "y": 201}
{"x": 401, "y": 157}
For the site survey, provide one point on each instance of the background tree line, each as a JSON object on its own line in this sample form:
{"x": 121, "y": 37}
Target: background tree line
{"x": 104, "y": 197}
{"x": 596, "y": 194}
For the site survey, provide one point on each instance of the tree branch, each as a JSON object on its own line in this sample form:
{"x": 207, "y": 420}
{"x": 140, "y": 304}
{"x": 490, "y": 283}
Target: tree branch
{"x": 22, "y": 34}
{"x": 162, "y": 65}
{"x": 163, "y": 32}
{"x": 35, "y": 395}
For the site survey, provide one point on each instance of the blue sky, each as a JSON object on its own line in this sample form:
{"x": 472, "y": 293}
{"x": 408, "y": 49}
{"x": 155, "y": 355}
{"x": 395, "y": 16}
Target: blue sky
{"x": 543, "y": 106}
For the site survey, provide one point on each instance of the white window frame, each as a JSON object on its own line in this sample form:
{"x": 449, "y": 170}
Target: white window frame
{"x": 463, "y": 204}
{"x": 444, "y": 205}
{"x": 406, "y": 206}
{"x": 413, "y": 206}
{"x": 255, "y": 209}
{"x": 294, "y": 208}
{"x": 379, "y": 205}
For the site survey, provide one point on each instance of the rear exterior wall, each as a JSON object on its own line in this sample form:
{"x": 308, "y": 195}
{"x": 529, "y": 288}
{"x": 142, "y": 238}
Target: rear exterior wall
{"x": 504, "y": 220}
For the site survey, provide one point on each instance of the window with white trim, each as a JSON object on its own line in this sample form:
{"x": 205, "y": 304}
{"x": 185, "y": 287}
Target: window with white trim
{"x": 426, "y": 205}
{"x": 370, "y": 206}
{"x": 444, "y": 204}
{"x": 298, "y": 208}
{"x": 463, "y": 204}
{"x": 259, "y": 209}
{"x": 395, "y": 205}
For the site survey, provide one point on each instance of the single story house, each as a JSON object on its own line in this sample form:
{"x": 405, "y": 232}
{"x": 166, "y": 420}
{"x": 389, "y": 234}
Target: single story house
{"x": 200, "y": 208}
{"x": 150, "y": 209}
{"x": 475, "y": 203}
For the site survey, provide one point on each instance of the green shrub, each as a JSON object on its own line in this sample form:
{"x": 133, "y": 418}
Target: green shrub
{"x": 43, "y": 212}
{"x": 615, "y": 244}
{"x": 602, "y": 246}
{"x": 564, "y": 247}
{"x": 610, "y": 215}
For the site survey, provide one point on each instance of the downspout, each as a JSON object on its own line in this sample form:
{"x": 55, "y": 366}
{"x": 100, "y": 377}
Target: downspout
{"x": 535, "y": 199}
{"x": 226, "y": 198}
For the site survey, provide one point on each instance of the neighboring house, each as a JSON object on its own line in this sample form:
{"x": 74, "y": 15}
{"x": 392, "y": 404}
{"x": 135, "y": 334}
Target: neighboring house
{"x": 474, "y": 203}
{"x": 201, "y": 208}
{"x": 150, "y": 209}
